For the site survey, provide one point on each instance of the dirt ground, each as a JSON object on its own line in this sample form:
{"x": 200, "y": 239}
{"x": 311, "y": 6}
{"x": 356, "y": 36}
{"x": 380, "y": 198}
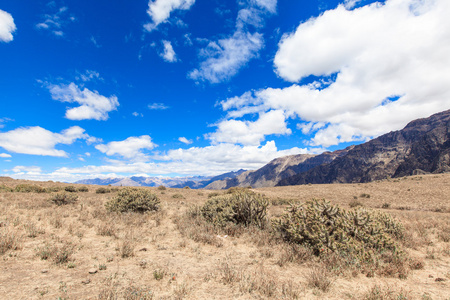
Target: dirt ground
{"x": 80, "y": 251}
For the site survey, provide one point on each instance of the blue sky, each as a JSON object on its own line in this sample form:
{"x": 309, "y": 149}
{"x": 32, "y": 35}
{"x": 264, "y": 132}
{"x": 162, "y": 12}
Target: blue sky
{"x": 194, "y": 87}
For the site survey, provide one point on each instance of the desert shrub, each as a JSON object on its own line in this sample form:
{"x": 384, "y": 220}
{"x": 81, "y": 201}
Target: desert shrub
{"x": 133, "y": 200}
{"x": 213, "y": 194}
{"x": 359, "y": 235}
{"x": 29, "y": 188}
{"x": 355, "y": 203}
{"x": 83, "y": 189}
{"x": 70, "y": 189}
{"x": 4, "y": 188}
{"x": 241, "y": 207}
{"x": 364, "y": 195}
{"x": 114, "y": 189}
{"x": 102, "y": 190}
{"x": 162, "y": 188}
{"x": 177, "y": 196}
{"x": 59, "y": 254}
{"x": 236, "y": 189}
{"x": 9, "y": 240}
{"x": 187, "y": 188}
{"x": 63, "y": 198}
{"x": 319, "y": 278}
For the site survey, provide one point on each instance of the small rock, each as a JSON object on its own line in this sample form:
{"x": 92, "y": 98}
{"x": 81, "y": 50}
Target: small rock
{"x": 430, "y": 276}
{"x": 143, "y": 249}
{"x": 92, "y": 271}
{"x": 44, "y": 271}
{"x": 439, "y": 279}
{"x": 87, "y": 281}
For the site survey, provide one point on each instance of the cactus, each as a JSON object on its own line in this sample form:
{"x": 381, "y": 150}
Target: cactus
{"x": 240, "y": 207}
{"x": 360, "y": 233}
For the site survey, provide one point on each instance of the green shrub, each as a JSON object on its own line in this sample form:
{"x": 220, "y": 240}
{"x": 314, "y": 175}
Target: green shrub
{"x": 83, "y": 189}
{"x": 241, "y": 207}
{"x": 133, "y": 200}
{"x": 64, "y": 198}
{"x": 4, "y": 188}
{"x": 70, "y": 189}
{"x": 102, "y": 190}
{"x": 358, "y": 234}
{"x": 29, "y": 188}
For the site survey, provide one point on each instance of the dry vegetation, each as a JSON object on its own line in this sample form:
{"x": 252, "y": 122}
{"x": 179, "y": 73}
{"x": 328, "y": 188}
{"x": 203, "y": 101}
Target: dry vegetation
{"x": 59, "y": 241}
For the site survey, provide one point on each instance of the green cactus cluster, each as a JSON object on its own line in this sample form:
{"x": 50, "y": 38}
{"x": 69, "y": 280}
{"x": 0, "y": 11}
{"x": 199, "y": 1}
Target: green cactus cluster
{"x": 240, "y": 207}
{"x": 133, "y": 200}
{"x": 360, "y": 233}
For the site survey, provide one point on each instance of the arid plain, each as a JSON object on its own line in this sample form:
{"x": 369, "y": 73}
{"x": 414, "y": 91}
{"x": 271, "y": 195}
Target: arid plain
{"x": 82, "y": 251}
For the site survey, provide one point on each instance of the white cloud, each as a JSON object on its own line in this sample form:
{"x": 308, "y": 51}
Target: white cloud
{"x": 7, "y": 26}
{"x": 39, "y": 141}
{"x": 224, "y": 58}
{"x": 93, "y": 105}
{"x": 381, "y": 66}
{"x": 211, "y": 160}
{"x": 24, "y": 169}
{"x": 129, "y": 148}
{"x": 5, "y": 155}
{"x": 185, "y": 140}
{"x": 89, "y": 75}
{"x": 251, "y": 133}
{"x": 349, "y": 4}
{"x": 56, "y": 21}
{"x": 158, "y": 106}
{"x": 168, "y": 54}
{"x": 160, "y": 10}
{"x": 136, "y": 114}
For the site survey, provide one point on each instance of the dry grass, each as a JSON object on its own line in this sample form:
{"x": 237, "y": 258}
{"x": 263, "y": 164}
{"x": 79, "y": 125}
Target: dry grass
{"x": 46, "y": 251}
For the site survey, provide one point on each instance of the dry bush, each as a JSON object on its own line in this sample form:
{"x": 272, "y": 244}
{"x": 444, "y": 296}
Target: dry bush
{"x": 102, "y": 190}
{"x": 59, "y": 254}
{"x": 133, "y": 200}
{"x": 192, "y": 225}
{"x": 83, "y": 189}
{"x": 106, "y": 229}
{"x": 126, "y": 246}
{"x": 162, "y": 188}
{"x": 355, "y": 203}
{"x": 9, "y": 240}
{"x": 29, "y": 188}
{"x": 70, "y": 189}
{"x": 32, "y": 229}
{"x": 319, "y": 278}
{"x": 293, "y": 253}
{"x": 64, "y": 198}
{"x": 239, "y": 207}
{"x": 137, "y": 293}
{"x": 379, "y": 293}
{"x": 4, "y": 188}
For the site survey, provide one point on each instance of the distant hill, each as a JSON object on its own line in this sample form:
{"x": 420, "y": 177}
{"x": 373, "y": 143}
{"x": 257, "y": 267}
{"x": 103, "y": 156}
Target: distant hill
{"x": 195, "y": 182}
{"x": 423, "y": 146}
{"x": 276, "y": 170}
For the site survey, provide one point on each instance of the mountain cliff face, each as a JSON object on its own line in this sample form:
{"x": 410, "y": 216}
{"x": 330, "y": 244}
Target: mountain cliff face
{"x": 278, "y": 169}
{"x": 422, "y": 146}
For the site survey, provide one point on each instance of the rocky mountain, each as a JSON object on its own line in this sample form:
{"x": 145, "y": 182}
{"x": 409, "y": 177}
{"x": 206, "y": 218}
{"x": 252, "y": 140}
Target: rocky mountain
{"x": 195, "y": 182}
{"x": 423, "y": 146}
{"x": 278, "y": 169}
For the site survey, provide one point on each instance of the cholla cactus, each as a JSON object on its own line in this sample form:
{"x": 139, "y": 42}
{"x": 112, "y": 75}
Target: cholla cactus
{"x": 133, "y": 200}
{"x": 240, "y": 207}
{"x": 326, "y": 228}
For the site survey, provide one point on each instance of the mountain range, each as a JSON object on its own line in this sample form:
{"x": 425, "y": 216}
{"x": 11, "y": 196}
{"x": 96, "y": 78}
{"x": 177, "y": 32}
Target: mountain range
{"x": 423, "y": 146}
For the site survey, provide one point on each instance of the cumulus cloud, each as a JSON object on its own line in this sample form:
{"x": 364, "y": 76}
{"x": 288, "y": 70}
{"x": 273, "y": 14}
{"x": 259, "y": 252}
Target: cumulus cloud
{"x": 56, "y": 21}
{"x": 7, "y": 26}
{"x": 5, "y": 155}
{"x": 185, "y": 140}
{"x": 223, "y": 59}
{"x": 250, "y": 133}
{"x": 92, "y": 105}
{"x": 378, "y": 67}
{"x": 39, "y": 141}
{"x": 168, "y": 54}
{"x": 160, "y": 10}
{"x": 211, "y": 160}
{"x": 131, "y": 148}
